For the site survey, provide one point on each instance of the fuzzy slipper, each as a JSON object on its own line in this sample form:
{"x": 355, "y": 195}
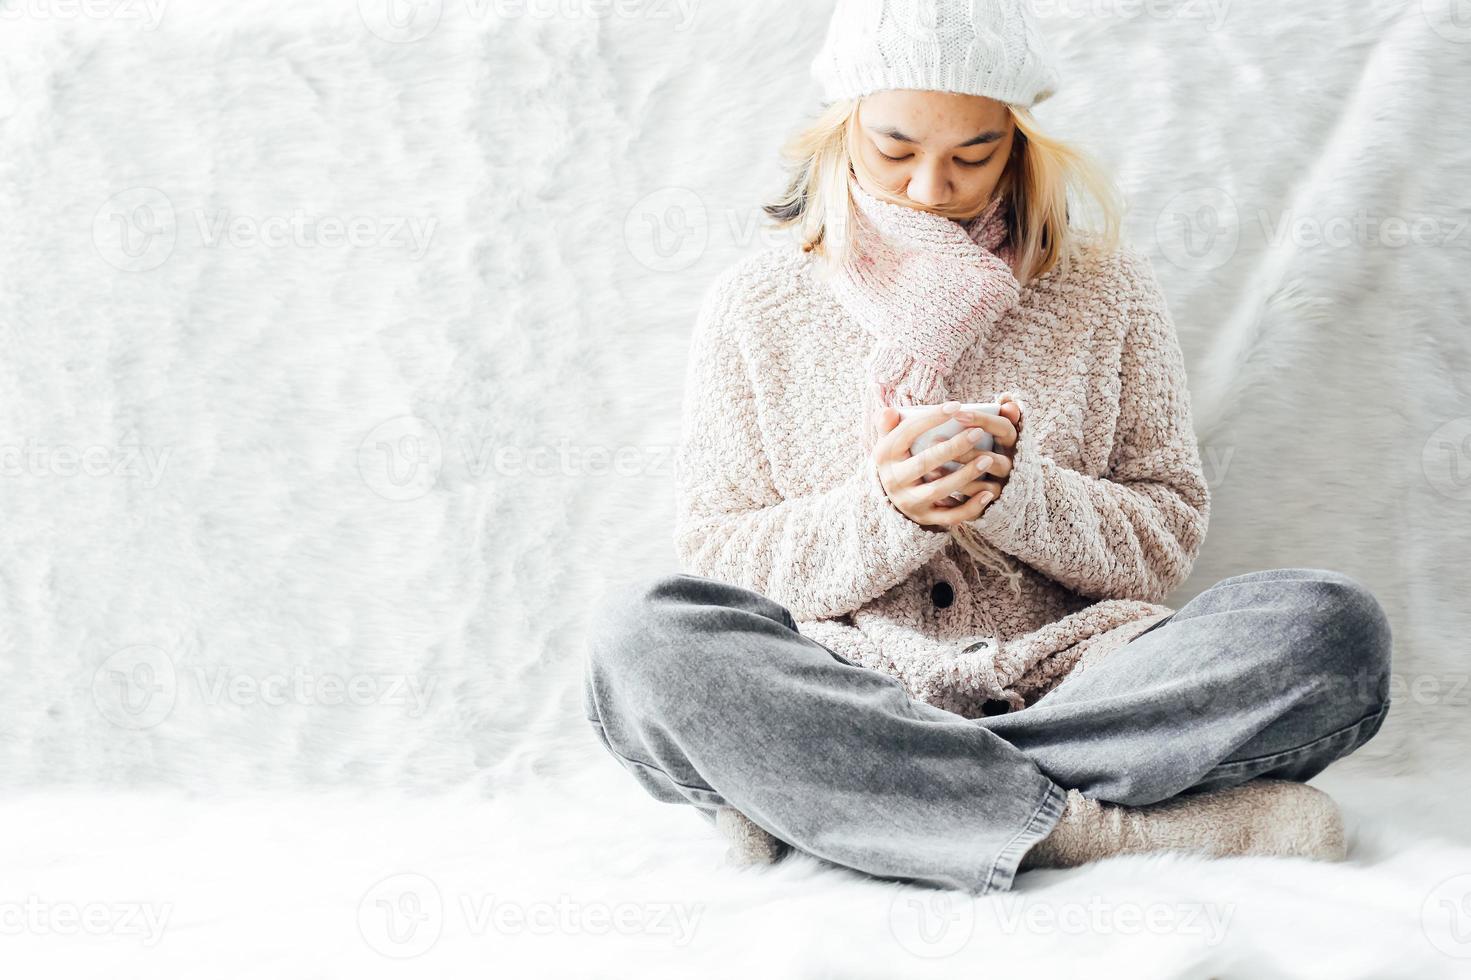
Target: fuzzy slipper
{"x": 1262, "y": 817}
{"x": 749, "y": 844}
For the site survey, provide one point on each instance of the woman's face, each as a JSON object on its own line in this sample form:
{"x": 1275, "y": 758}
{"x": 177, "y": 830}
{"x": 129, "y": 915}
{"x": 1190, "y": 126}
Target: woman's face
{"x": 935, "y": 151}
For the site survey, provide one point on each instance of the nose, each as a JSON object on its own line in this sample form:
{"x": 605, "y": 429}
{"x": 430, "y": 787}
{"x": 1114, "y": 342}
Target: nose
{"x": 929, "y": 187}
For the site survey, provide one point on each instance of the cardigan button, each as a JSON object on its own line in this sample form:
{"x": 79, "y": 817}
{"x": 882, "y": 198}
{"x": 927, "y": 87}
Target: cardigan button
{"x": 995, "y": 706}
{"x": 942, "y": 595}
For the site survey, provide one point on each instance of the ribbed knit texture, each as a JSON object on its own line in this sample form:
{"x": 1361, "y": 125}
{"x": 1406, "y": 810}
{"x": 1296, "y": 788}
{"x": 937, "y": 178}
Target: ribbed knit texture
{"x": 923, "y": 286}
{"x": 992, "y": 48}
{"x": 1103, "y": 514}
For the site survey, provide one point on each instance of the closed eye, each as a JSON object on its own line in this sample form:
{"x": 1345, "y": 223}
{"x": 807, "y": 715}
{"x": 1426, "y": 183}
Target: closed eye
{"x": 973, "y": 164}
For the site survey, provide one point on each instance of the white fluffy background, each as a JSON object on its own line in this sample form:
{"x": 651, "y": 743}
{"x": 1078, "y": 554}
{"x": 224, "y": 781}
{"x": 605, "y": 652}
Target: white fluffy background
{"x": 201, "y": 440}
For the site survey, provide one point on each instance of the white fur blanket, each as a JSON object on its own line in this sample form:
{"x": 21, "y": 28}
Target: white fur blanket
{"x": 584, "y": 876}
{"x": 344, "y": 343}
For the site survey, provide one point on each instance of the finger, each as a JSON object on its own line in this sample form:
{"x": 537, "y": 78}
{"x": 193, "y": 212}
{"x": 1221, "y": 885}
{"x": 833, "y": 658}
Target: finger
{"x": 1006, "y": 396}
{"x": 966, "y": 457}
{"x": 981, "y": 486}
{"x": 936, "y": 474}
{"x": 957, "y": 482}
{"x": 940, "y": 473}
{"x": 938, "y": 454}
{"x": 969, "y": 416}
{"x": 1000, "y": 464}
{"x": 886, "y": 418}
{"x": 973, "y": 453}
{"x": 999, "y": 426}
{"x": 972, "y": 508}
{"x": 895, "y": 445}
{"x": 967, "y": 510}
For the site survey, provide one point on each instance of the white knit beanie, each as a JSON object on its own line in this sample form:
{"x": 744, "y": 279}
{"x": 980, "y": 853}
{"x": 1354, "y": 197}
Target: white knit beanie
{"x": 992, "y": 48}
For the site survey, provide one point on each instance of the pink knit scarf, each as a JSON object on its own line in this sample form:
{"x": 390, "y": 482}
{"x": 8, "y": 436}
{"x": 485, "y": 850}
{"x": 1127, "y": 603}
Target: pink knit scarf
{"x": 927, "y": 289}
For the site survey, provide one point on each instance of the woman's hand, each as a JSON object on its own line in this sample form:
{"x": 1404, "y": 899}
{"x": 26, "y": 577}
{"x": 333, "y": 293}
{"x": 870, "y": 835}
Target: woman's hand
{"x": 907, "y": 478}
{"x": 1005, "y": 451}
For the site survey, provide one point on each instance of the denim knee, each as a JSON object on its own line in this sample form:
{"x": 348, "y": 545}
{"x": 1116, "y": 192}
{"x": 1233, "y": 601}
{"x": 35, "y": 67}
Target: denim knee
{"x": 630, "y": 628}
{"x": 675, "y": 622}
{"x": 1348, "y": 643}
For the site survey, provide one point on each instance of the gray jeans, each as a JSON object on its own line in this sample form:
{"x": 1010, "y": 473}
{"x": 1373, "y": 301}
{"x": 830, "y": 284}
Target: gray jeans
{"x": 708, "y": 694}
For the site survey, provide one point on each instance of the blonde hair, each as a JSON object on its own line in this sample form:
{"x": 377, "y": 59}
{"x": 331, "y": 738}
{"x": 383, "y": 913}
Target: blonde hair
{"x": 1037, "y": 179}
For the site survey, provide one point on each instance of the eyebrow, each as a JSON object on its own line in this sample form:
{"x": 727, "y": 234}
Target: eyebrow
{"x": 989, "y": 136}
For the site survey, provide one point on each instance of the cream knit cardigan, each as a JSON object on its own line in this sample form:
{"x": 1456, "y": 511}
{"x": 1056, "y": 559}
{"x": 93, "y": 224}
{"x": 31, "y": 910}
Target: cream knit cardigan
{"x": 1104, "y": 512}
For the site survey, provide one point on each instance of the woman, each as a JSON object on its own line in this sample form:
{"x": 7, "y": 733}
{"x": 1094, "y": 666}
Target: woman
{"x": 948, "y": 677}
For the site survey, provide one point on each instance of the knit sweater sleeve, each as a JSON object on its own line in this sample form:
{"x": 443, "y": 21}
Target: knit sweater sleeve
{"x": 1135, "y": 532}
{"x": 820, "y": 554}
